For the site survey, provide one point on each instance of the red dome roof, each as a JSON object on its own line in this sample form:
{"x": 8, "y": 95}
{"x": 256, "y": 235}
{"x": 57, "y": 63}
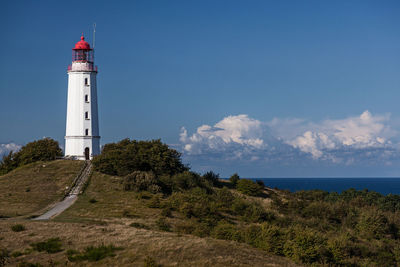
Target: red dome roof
{"x": 82, "y": 44}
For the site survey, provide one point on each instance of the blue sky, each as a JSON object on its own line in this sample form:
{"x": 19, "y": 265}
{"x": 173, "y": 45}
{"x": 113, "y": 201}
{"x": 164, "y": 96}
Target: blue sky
{"x": 264, "y": 88}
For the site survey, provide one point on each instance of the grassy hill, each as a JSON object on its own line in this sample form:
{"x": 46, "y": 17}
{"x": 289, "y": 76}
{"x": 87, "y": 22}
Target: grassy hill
{"x": 108, "y": 215}
{"x": 33, "y": 187}
{"x": 199, "y": 222}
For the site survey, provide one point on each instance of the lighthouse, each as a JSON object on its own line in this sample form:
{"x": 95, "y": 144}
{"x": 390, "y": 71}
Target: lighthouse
{"x": 82, "y": 138}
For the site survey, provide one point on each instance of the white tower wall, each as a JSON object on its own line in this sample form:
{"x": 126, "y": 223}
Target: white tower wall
{"x": 82, "y": 127}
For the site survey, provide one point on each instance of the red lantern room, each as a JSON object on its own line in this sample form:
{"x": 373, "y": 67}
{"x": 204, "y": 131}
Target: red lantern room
{"x": 82, "y": 51}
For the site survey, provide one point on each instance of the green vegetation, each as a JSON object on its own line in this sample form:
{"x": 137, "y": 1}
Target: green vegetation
{"x": 4, "y": 255}
{"x": 145, "y": 200}
{"x": 18, "y": 228}
{"x": 150, "y": 262}
{"x": 92, "y": 253}
{"x": 45, "y": 149}
{"x": 234, "y": 179}
{"x": 52, "y": 245}
{"x": 127, "y": 156}
{"x": 248, "y": 187}
{"x": 47, "y": 182}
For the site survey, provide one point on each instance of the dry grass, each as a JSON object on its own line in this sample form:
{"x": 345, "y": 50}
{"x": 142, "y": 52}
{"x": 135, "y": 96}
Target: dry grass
{"x": 33, "y": 187}
{"x": 167, "y": 249}
{"x": 111, "y": 202}
{"x": 106, "y": 221}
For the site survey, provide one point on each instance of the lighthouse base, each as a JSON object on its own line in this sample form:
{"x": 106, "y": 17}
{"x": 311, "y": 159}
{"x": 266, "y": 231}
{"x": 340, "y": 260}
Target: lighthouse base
{"x": 82, "y": 147}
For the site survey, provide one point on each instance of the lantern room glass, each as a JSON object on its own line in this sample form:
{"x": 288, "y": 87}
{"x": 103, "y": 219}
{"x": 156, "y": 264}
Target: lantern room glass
{"x": 82, "y": 55}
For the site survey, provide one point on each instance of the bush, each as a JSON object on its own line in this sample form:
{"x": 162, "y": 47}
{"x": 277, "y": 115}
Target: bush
{"x": 272, "y": 239}
{"x": 128, "y": 156}
{"x": 248, "y": 187}
{"x": 18, "y": 228}
{"x": 181, "y": 182}
{"x": 92, "y": 253}
{"x": 141, "y": 181}
{"x": 92, "y": 200}
{"x": 163, "y": 225}
{"x": 225, "y": 230}
{"x": 150, "y": 262}
{"x": 306, "y": 246}
{"x": 211, "y": 177}
{"x": 52, "y": 245}
{"x": 234, "y": 179}
{"x": 139, "y": 225}
{"x": 45, "y": 149}
{"x": 4, "y": 255}
{"x": 166, "y": 212}
{"x": 373, "y": 224}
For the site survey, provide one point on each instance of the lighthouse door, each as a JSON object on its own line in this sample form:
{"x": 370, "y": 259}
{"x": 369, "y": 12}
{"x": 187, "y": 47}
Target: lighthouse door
{"x": 87, "y": 153}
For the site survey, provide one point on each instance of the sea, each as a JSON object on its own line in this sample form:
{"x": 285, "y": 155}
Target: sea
{"x": 381, "y": 185}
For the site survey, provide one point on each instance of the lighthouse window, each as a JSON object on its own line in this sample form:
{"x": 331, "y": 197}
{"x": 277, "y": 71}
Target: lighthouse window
{"x": 86, "y": 81}
{"x": 86, "y": 98}
{"x": 86, "y": 115}
{"x": 87, "y": 132}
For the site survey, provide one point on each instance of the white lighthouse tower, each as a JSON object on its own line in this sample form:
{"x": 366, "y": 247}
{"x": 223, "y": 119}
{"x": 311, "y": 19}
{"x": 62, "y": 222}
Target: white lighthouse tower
{"x": 82, "y": 139}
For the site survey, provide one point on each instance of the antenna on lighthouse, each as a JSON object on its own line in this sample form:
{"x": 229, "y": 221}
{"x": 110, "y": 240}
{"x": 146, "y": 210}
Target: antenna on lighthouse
{"x": 94, "y": 34}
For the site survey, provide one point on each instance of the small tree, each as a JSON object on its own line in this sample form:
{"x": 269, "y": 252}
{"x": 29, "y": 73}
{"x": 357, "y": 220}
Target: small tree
{"x": 248, "y": 187}
{"x": 234, "y": 179}
{"x": 211, "y": 177}
{"x": 41, "y": 150}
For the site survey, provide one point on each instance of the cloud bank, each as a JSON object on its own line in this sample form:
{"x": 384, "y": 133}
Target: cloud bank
{"x": 7, "y": 148}
{"x": 364, "y": 139}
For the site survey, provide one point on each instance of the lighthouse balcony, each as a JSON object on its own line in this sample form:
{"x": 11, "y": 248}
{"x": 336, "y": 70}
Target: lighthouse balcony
{"x": 82, "y": 66}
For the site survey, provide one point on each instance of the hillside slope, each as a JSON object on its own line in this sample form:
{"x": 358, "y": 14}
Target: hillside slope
{"x": 31, "y": 188}
{"x": 106, "y": 214}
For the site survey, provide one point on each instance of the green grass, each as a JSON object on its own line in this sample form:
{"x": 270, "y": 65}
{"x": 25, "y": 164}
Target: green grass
{"x": 92, "y": 253}
{"x": 111, "y": 202}
{"x": 52, "y": 245}
{"x": 46, "y": 181}
{"x": 18, "y": 228}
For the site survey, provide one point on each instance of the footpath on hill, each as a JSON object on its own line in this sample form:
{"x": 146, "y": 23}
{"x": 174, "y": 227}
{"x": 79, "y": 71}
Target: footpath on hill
{"x": 72, "y": 196}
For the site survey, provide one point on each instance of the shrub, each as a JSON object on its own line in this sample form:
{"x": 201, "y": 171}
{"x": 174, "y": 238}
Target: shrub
{"x": 306, "y": 246}
{"x": 52, "y": 245}
{"x": 16, "y": 254}
{"x": 234, "y": 179}
{"x": 340, "y": 248}
{"x": 92, "y": 200}
{"x": 163, "y": 225}
{"x": 272, "y": 239}
{"x": 224, "y": 199}
{"x": 141, "y": 181}
{"x": 166, "y": 212}
{"x": 18, "y": 228}
{"x": 373, "y": 224}
{"x": 248, "y": 187}
{"x": 211, "y": 177}
{"x": 150, "y": 262}
{"x": 4, "y": 255}
{"x": 251, "y": 235}
{"x": 128, "y": 156}
{"x": 225, "y": 230}
{"x": 41, "y": 150}
{"x": 181, "y": 182}
{"x": 92, "y": 253}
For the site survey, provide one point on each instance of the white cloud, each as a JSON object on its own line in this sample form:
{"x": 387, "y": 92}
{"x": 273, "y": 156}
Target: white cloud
{"x": 239, "y": 130}
{"x": 366, "y": 137}
{"x": 6, "y": 148}
{"x": 364, "y": 131}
